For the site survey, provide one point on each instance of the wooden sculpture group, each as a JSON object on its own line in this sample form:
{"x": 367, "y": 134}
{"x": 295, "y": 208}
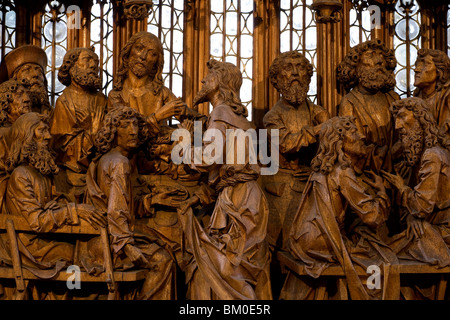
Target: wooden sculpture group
{"x": 90, "y": 182}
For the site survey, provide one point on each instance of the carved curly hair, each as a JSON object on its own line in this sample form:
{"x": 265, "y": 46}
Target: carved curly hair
{"x": 346, "y": 71}
{"x": 104, "y": 140}
{"x": 7, "y": 89}
{"x": 442, "y": 63}
{"x": 278, "y": 64}
{"x": 230, "y": 81}
{"x": 70, "y": 58}
{"x": 421, "y": 111}
{"x": 330, "y": 147}
{"x": 156, "y": 75}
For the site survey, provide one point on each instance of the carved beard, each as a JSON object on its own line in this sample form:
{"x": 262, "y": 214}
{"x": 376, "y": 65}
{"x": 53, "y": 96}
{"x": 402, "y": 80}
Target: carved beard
{"x": 294, "y": 92}
{"x": 412, "y": 142}
{"x": 86, "y": 78}
{"x": 43, "y": 161}
{"x": 37, "y": 92}
{"x": 202, "y": 95}
{"x": 376, "y": 80}
{"x": 139, "y": 67}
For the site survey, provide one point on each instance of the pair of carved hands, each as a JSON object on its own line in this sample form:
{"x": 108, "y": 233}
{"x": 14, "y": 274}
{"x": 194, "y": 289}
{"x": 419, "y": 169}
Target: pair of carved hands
{"x": 414, "y": 225}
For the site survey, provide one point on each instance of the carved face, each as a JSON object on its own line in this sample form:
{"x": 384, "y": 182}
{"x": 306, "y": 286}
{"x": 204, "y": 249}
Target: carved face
{"x": 143, "y": 57}
{"x": 353, "y": 143}
{"x": 372, "y": 70}
{"x": 209, "y": 85}
{"x": 127, "y": 134}
{"x": 20, "y": 104}
{"x": 293, "y": 80}
{"x": 33, "y": 75}
{"x": 85, "y": 71}
{"x": 42, "y": 135}
{"x": 425, "y": 72}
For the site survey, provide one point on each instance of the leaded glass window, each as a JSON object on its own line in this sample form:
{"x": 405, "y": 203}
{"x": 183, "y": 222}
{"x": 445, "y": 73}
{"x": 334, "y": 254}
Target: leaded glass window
{"x": 232, "y": 40}
{"x": 298, "y": 31}
{"x": 406, "y": 44}
{"x": 7, "y": 27}
{"x": 360, "y": 22}
{"x": 54, "y": 43}
{"x": 102, "y": 40}
{"x": 166, "y": 22}
{"x": 448, "y": 30}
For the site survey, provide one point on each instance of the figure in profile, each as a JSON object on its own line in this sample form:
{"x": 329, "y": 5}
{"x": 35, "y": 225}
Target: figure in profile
{"x": 432, "y": 79}
{"x": 230, "y": 255}
{"x": 425, "y": 199}
{"x": 340, "y": 214}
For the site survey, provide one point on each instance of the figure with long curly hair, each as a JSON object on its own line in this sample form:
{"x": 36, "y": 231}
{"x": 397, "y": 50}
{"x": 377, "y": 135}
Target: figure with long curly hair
{"x": 30, "y": 195}
{"x": 140, "y": 83}
{"x": 342, "y": 214}
{"x": 368, "y": 72}
{"x": 110, "y": 186}
{"x": 297, "y": 121}
{"x": 230, "y": 255}
{"x": 425, "y": 199}
{"x": 432, "y": 79}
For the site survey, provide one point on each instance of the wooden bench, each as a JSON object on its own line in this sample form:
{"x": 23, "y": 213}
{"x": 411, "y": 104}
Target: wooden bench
{"x": 13, "y": 224}
{"x": 288, "y": 262}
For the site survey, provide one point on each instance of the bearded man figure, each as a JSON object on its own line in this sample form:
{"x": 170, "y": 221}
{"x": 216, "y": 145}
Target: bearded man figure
{"x": 368, "y": 70}
{"x": 341, "y": 214}
{"x": 425, "y": 200}
{"x": 30, "y": 195}
{"x": 14, "y": 101}
{"x": 26, "y": 65}
{"x": 297, "y": 121}
{"x": 76, "y": 119}
{"x": 230, "y": 254}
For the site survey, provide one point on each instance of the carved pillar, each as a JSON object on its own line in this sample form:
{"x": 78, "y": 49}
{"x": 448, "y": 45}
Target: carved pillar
{"x": 330, "y": 46}
{"x": 196, "y": 49}
{"x": 266, "y": 47}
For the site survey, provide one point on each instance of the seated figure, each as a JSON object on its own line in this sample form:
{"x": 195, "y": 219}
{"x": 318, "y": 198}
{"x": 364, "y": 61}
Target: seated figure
{"x": 342, "y": 212}
{"x": 110, "y": 187}
{"x": 30, "y": 195}
{"x": 425, "y": 199}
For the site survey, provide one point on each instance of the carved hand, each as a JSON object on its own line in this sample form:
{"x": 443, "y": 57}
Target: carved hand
{"x": 414, "y": 227}
{"x": 393, "y": 179}
{"x": 377, "y": 182}
{"x": 173, "y": 108}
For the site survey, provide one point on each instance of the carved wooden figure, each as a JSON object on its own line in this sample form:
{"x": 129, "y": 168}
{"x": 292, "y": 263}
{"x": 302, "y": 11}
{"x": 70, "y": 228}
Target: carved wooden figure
{"x": 340, "y": 215}
{"x": 432, "y": 79}
{"x": 230, "y": 255}
{"x": 368, "y": 71}
{"x": 109, "y": 187}
{"x": 30, "y": 195}
{"x": 426, "y": 198}
{"x": 27, "y": 65}
{"x": 77, "y": 117}
{"x": 298, "y": 121}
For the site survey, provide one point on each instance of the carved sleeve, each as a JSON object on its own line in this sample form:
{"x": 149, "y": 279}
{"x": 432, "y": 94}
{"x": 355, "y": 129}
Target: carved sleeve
{"x": 421, "y": 200}
{"x": 119, "y": 214}
{"x": 290, "y": 142}
{"x": 42, "y": 216}
{"x": 371, "y": 206}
